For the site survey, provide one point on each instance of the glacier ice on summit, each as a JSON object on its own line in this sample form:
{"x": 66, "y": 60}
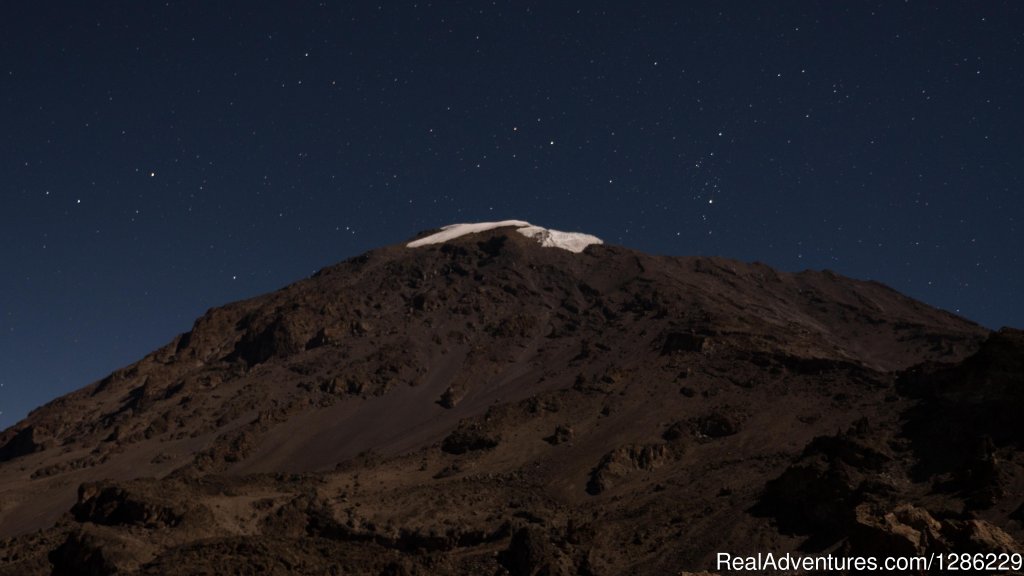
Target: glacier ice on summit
{"x": 571, "y": 241}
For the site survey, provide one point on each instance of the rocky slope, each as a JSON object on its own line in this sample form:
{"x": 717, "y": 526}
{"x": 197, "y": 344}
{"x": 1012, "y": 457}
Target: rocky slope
{"x": 487, "y": 405}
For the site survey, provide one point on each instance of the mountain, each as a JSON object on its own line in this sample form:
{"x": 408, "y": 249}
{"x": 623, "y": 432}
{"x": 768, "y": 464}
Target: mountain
{"x": 490, "y": 401}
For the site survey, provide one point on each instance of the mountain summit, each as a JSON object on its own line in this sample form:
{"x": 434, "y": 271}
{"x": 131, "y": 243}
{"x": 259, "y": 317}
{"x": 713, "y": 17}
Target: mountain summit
{"x": 571, "y": 241}
{"x": 478, "y": 401}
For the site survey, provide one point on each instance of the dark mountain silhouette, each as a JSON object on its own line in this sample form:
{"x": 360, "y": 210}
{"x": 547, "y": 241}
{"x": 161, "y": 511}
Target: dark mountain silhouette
{"x": 491, "y": 406}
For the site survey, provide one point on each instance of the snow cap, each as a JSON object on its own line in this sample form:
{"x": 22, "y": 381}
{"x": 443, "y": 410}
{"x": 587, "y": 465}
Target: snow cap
{"x": 571, "y": 241}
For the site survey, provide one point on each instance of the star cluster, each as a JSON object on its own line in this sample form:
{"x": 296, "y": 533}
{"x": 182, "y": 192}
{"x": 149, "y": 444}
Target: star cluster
{"x": 160, "y": 159}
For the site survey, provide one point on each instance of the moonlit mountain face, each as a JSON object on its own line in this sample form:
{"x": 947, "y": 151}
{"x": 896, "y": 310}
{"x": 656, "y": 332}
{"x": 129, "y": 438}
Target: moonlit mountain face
{"x": 504, "y": 398}
{"x": 162, "y": 158}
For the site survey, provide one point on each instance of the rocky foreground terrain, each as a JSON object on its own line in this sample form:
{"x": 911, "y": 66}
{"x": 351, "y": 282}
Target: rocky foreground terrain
{"x": 490, "y": 406}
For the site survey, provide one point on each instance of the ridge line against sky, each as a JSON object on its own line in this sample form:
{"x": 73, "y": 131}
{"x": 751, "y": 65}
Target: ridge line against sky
{"x": 157, "y": 160}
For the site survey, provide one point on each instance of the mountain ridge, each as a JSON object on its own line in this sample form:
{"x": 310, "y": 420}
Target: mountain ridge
{"x": 486, "y": 357}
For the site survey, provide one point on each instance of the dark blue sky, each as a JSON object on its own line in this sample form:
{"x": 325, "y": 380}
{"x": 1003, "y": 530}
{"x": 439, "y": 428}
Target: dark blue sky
{"x": 158, "y": 160}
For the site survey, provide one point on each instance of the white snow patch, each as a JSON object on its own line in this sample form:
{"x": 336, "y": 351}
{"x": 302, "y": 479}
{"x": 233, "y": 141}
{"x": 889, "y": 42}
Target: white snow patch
{"x": 571, "y": 241}
{"x": 453, "y": 231}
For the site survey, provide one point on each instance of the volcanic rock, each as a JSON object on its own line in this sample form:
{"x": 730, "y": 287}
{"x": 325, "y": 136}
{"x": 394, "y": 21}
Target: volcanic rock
{"x": 498, "y": 401}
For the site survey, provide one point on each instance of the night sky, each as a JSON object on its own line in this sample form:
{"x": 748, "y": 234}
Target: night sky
{"x": 159, "y": 159}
